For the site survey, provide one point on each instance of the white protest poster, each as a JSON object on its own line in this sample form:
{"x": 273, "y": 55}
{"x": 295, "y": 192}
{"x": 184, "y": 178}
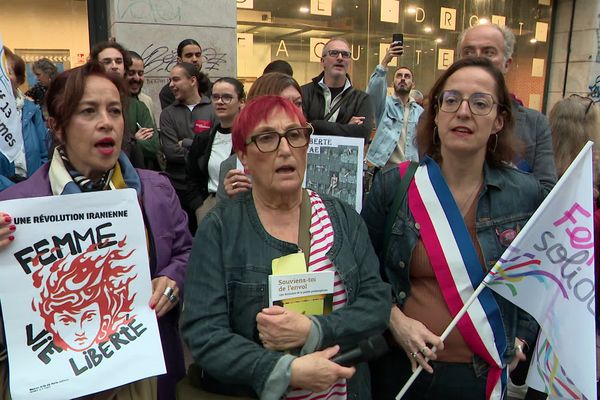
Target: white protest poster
{"x": 75, "y": 290}
{"x": 335, "y": 167}
{"x": 11, "y": 138}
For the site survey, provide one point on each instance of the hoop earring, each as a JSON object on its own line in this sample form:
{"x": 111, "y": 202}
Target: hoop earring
{"x": 493, "y": 148}
{"x": 435, "y": 134}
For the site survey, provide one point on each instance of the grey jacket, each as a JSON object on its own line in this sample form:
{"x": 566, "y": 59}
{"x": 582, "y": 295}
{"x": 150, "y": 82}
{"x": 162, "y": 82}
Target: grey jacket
{"x": 179, "y": 124}
{"x": 227, "y": 287}
{"x": 533, "y": 129}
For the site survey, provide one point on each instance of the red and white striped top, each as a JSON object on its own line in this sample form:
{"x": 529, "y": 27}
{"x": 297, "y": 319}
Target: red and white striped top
{"x": 321, "y": 240}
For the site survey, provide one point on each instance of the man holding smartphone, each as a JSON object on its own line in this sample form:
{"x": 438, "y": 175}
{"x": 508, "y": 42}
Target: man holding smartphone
{"x": 397, "y": 115}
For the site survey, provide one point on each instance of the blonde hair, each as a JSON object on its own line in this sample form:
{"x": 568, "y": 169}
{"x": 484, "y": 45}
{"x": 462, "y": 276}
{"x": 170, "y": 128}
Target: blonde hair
{"x": 573, "y": 122}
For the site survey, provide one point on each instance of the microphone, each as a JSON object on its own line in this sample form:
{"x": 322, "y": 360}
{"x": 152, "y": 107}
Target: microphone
{"x": 367, "y": 350}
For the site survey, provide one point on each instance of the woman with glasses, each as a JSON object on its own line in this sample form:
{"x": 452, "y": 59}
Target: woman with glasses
{"x": 211, "y": 148}
{"x": 232, "y": 180}
{"x": 243, "y": 345}
{"x": 461, "y": 209}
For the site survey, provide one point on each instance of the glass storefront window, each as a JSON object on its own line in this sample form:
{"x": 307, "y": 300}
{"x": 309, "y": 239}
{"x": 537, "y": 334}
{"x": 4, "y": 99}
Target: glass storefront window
{"x": 295, "y": 31}
{"x": 54, "y": 29}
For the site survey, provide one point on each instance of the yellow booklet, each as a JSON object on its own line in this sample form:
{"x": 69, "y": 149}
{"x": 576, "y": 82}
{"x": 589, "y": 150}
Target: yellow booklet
{"x": 291, "y": 287}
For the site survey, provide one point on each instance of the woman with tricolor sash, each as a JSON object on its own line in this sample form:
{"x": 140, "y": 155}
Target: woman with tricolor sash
{"x": 438, "y": 227}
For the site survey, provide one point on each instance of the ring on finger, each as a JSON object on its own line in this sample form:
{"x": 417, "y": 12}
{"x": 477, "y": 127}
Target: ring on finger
{"x": 173, "y": 298}
{"x": 519, "y": 348}
{"x": 234, "y": 185}
{"x": 168, "y": 292}
{"x": 414, "y": 354}
{"x": 423, "y": 350}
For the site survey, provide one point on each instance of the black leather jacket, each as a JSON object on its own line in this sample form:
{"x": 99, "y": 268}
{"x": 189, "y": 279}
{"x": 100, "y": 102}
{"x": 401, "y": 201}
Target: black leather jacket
{"x": 357, "y": 104}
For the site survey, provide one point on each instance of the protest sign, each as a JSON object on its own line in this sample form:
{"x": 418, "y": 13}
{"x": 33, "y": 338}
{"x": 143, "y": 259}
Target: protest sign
{"x": 335, "y": 167}
{"x": 11, "y": 138}
{"x": 75, "y": 295}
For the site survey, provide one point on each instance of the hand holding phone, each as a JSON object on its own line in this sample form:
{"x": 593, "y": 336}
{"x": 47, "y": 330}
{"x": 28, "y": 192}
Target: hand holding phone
{"x": 397, "y": 46}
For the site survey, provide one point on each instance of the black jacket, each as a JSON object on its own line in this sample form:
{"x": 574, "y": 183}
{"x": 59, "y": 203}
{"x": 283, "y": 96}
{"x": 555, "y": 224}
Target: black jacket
{"x": 197, "y": 165}
{"x": 357, "y": 104}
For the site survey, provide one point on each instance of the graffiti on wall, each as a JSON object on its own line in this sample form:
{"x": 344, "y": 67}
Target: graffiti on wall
{"x": 161, "y": 58}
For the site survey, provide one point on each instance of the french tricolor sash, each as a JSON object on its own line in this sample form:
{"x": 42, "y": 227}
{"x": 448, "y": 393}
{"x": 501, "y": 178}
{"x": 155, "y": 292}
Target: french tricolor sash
{"x": 457, "y": 269}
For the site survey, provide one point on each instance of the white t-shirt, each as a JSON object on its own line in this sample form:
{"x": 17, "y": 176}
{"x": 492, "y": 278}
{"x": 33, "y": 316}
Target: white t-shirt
{"x": 221, "y": 149}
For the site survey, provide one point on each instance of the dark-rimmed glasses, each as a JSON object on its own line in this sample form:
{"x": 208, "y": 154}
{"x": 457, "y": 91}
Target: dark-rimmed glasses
{"x": 479, "y": 103}
{"x": 589, "y": 99}
{"x": 336, "y": 53}
{"x": 267, "y": 142}
{"x": 225, "y": 98}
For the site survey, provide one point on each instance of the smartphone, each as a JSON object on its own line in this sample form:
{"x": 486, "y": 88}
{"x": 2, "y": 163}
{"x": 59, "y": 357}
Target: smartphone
{"x": 398, "y": 38}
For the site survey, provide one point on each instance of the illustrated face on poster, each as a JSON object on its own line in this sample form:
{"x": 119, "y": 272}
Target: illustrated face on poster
{"x": 85, "y": 300}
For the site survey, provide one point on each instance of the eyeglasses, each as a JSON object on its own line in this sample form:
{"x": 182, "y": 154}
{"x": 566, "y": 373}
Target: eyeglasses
{"x": 335, "y": 53}
{"x": 225, "y": 98}
{"x": 479, "y": 103}
{"x": 589, "y": 99}
{"x": 268, "y": 142}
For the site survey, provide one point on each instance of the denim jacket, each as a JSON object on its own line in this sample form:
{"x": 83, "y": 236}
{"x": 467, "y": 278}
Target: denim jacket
{"x": 508, "y": 199}
{"x": 389, "y": 115}
{"x": 226, "y": 287}
{"x": 35, "y": 144}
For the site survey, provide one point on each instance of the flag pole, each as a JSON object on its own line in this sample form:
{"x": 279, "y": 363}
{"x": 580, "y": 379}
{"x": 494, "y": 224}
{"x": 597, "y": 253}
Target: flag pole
{"x": 444, "y": 335}
{"x": 553, "y": 193}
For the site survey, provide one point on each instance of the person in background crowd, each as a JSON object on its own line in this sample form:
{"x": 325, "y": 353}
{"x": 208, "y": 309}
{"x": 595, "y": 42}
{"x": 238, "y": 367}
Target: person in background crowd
{"x": 279, "y": 66}
{"x": 330, "y": 102}
{"x": 241, "y": 344}
{"x": 574, "y": 121}
{"x": 140, "y": 142}
{"x": 188, "y": 51}
{"x": 135, "y": 79}
{"x": 468, "y": 139}
{"x": 33, "y": 128}
{"x": 44, "y": 72}
{"x": 81, "y": 117}
{"x": 396, "y": 116}
{"x": 153, "y": 156}
{"x": 418, "y": 96}
{"x": 231, "y": 179}
{"x": 498, "y": 43}
{"x": 190, "y": 115}
{"x": 211, "y": 148}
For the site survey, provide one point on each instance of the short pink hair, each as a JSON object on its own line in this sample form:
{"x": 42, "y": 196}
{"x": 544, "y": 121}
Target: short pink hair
{"x": 258, "y": 110}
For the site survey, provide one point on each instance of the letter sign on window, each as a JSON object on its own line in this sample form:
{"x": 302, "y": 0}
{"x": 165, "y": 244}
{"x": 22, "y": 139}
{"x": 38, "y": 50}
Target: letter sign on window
{"x": 448, "y": 18}
{"x": 320, "y": 7}
{"x": 445, "y": 58}
{"x": 245, "y": 4}
{"x": 316, "y": 48}
{"x": 390, "y": 11}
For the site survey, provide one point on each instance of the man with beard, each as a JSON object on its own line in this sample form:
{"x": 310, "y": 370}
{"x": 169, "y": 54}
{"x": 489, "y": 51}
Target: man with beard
{"x": 153, "y": 156}
{"x": 396, "y": 115}
{"x": 140, "y": 142}
{"x": 330, "y": 103}
{"x": 135, "y": 79}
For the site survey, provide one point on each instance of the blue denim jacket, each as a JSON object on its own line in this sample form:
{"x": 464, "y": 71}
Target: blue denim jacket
{"x": 226, "y": 287}
{"x": 389, "y": 115}
{"x": 508, "y": 199}
{"x": 35, "y": 144}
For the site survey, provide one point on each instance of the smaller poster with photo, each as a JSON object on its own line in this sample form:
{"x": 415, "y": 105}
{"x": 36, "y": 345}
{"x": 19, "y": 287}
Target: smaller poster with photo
{"x": 335, "y": 167}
